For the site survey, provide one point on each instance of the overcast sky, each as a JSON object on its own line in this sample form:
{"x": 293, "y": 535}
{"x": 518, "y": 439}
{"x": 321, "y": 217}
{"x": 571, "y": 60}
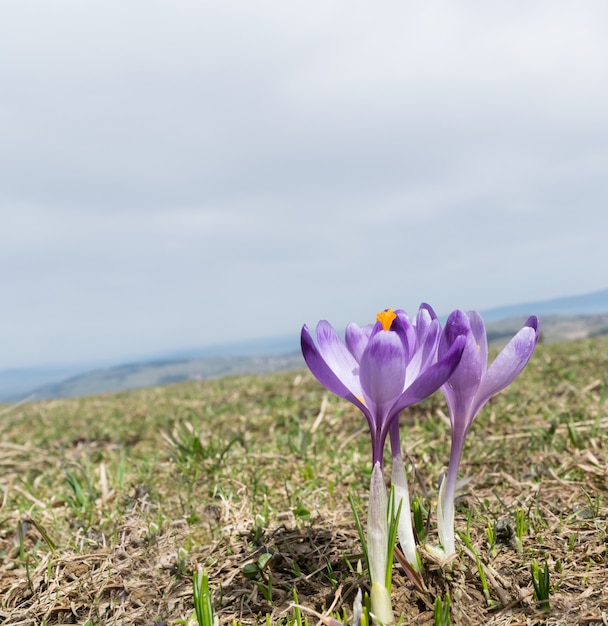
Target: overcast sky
{"x": 175, "y": 174}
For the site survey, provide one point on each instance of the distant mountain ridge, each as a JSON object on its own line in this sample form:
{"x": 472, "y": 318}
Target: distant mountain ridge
{"x": 158, "y": 373}
{"x": 587, "y": 304}
{"x": 562, "y": 319}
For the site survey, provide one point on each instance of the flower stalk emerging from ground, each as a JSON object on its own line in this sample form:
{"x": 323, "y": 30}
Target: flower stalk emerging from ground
{"x": 381, "y": 369}
{"x": 377, "y": 547}
{"x": 468, "y": 389}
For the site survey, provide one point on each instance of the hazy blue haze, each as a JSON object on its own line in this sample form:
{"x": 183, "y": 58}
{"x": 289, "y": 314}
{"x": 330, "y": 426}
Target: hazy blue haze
{"x": 262, "y": 355}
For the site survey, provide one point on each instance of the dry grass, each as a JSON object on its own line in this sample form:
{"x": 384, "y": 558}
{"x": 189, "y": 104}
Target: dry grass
{"x": 107, "y": 504}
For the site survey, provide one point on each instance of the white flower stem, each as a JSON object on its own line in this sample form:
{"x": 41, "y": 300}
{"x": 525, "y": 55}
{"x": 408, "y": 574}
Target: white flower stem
{"x": 445, "y": 521}
{"x": 405, "y": 529}
{"x": 447, "y": 495}
{"x": 377, "y": 547}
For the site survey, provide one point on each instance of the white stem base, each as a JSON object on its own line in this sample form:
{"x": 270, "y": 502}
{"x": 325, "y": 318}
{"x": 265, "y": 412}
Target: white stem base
{"x": 405, "y": 530}
{"x": 382, "y": 608}
{"x": 445, "y": 522}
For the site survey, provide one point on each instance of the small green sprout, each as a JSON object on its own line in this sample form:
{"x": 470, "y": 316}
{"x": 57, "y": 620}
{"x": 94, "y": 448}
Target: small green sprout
{"x": 492, "y": 539}
{"x": 301, "y": 512}
{"x": 521, "y": 526}
{"x": 393, "y": 526}
{"x": 297, "y": 614}
{"x": 441, "y": 612}
{"x": 574, "y": 436}
{"x": 484, "y": 581}
{"x": 256, "y": 572}
{"x": 203, "y": 606}
{"x": 465, "y": 536}
{"x": 541, "y": 583}
{"x": 421, "y": 519}
{"x": 331, "y": 575}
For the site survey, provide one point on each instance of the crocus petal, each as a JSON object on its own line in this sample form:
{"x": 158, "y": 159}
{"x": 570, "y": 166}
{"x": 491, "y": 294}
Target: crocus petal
{"x": 425, "y": 354}
{"x": 478, "y": 328}
{"x": 460, "y": 389}
{"x": 337, "y": 356}
{"x": 325, "y": 375}
{"x": 424, "y": 318}
{"x": 508, "y": 364}
{"x": 429, "y": 343}
{"x": 406, "y": 332}
{"x": 357, "y": 339}
{"x": 469, "y": 372}
{"x": 456, "y": 325}
{"x": 382, "y": 368}
{"x": 431, "y": 379}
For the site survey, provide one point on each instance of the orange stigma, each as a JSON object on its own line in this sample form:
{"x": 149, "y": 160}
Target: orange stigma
{"x": 386, "y": 318}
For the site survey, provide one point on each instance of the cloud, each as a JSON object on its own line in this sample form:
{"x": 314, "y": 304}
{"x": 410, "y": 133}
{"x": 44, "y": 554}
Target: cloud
{"x": 208, "y": 101}
{"x": 167, "y": 166}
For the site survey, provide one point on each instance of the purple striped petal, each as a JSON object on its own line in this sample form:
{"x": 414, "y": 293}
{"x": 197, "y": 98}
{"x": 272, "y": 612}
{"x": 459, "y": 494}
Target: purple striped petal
{"x": 430, "y": 342}
{"x": 324, "y": 374}
{"x": 508, "y": 364}
{"x": 431, "y": 379}
{"x": 425, "y": 316}
{"x": 426, "y": 352}
{"x": 460, "y": 389}
{"x": 357, "y": 339}
{"x": 478, "y": 328}
{"x": 317, "y": 365}
{"x": 337, "y": 356}
{"x": 457, "y": 324}
{"x": 382, "y": 368}
{"x": 407, "y": 333}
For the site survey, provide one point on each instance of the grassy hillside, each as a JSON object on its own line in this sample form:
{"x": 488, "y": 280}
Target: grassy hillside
{"x": 108, "y": 503}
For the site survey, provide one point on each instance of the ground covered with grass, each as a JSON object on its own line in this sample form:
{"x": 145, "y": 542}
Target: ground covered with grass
{"x": 108, "y": 504}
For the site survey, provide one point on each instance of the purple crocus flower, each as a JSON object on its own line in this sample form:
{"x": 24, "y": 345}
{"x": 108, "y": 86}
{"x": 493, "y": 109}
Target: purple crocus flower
{"x": 468, "y": 389}
{"x": 380, "y": 368}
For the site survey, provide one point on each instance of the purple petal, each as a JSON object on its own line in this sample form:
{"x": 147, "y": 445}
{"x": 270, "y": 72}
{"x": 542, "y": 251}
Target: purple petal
{"x": 432, "y": 378}
{"x": 427, "y": 323}
{"x": 429, "y": 309}
{"x": 457, "y": 324}
{"x": 317, "y": 365}
{"x": 357, "y": 339}
{"x": 431, "y": 340}
{"x": 462, "y": 385}
{"x": 337, "y": 356}
{"x": 426, "y": 354}
{"x": 508, "y": 364}
{"x": 406, "y": 332}
{"x": 478, "y": 328}
{"x": 425, "y": 316}
{"x": 382, "y": 368}
{"x": 325, "y": 375}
